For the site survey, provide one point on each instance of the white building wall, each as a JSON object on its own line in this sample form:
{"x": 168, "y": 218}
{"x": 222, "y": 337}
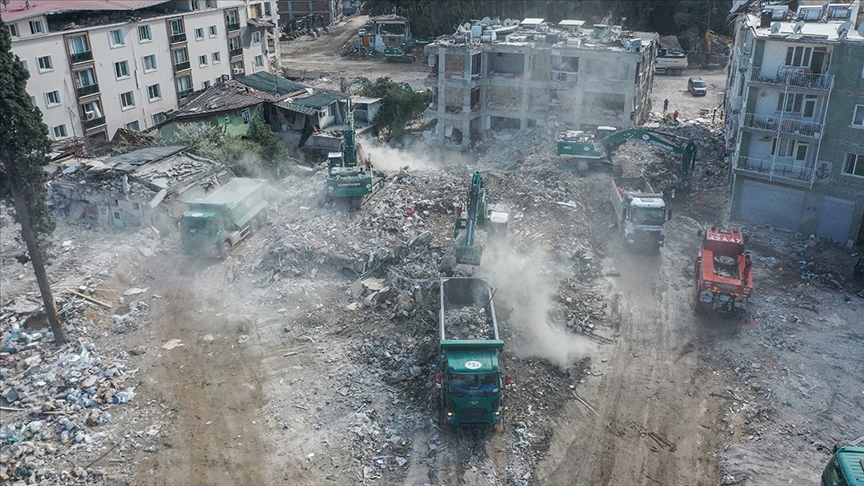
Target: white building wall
{"x": 30, "y": 47}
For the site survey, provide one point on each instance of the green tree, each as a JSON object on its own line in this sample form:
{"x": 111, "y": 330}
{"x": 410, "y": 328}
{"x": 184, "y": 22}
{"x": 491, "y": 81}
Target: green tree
{"x": 399, "y": 106}
{"x": 24, "y": 144}
{"x": 274, "y": 157}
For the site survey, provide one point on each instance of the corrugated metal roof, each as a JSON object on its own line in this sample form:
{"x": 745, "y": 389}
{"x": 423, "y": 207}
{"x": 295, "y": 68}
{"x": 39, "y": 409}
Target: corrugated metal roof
{"x": 224, "y": 97}
{"x": 320, "y": 98}
{"x": 298, "y": 108}
{"x": 270, "y": 83}
{"x": 17, "y": 9}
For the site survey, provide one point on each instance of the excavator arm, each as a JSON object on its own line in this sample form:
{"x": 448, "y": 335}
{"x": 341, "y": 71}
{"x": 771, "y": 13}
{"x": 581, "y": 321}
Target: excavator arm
{"x": 684, "y": 147}
{"x": 467, "y": 250}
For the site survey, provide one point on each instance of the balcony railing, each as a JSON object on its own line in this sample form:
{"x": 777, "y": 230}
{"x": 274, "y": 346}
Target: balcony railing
{"x": 794, "y": 77}
{"x": 184, "y": 93}
{"x": 775, "y": 170}
{"x": 789, "y": 126}
{"x": 233, "y": 26}
{"x": 88, "y": 90}
{"x": 181, "y": 66}
{"x": 236, "y": 52}
{"x": 85, "y": 56}
{"x": 94, "y": 122}
{"x": 181, "y": 37}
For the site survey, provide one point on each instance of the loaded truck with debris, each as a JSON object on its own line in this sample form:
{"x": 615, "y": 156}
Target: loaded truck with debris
{"x": 640, "y": 213}
{"x": 470, "y": 381}
{"x": 846, "y": 467}
{"x": 214, "y": 225}
{"x": 670, "y": 61}
{"x": 724, "y": 282}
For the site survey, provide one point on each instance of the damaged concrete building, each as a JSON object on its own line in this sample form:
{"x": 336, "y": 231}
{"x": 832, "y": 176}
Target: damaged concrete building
{"x": 146, "y": 187}
{"x": 514, "y": 75}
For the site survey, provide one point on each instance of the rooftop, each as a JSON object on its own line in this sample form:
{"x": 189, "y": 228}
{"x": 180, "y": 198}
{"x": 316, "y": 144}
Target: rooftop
{"x": 223, "y": 97}
{"x": 831, "y": 22}
{"x": 23, "y": 9}
{"x": 276, "y": 86}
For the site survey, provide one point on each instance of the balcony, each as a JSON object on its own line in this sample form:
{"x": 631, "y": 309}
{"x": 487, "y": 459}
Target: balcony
{"x": 794, "y": 78}
{"x": 181, "y": 37}
{"x": 184, "y": 93}
{"x": 85, "y": 56}
{"x": 233, "y": 26}
{"x": 88, "y": 90}
{"x": 786, "y": 126}
{"x": 181, "y": 66}
{"x": 772, "y": 170}
{"x": 94, "y": 122}
{"x": 236, "y": 52}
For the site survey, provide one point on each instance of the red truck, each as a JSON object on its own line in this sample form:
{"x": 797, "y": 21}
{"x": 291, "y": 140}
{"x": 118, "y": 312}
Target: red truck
{"x": 724, "y": 282}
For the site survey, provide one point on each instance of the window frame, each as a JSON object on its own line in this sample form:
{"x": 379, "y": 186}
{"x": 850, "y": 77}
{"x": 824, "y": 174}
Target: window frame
{"x": 855, "y": 112}
{"x": 196, "y": 5}
{"x": 65, "y": 133}
{"x": 858, "y": 160}
{"x": 247, "y": 116}
{"x": 13, "y": 30}
{"x": 154, "y": 65}
{"x": 115, "y": 41}
{"x": 213, "y": 30}
{"x": 199, "y": 30}
{"x": 148, "y": 30}
{"x": 203, "y": 61}
{"x": 216, "y": 57}
{"x": 50, "y": 64}
{"x": 39, "y": 29}
{"x": 158, "y": 118}
{"x": 117, "y": 74}
{"x": 53, "y": 94}
{"x": 25, "y": 65}
{"x": 150, "y": 90}
{"x": 257, "y": 58}
{"x": 123, "y": 102}
{"x": 136, "y": 129}
{"x": 256, "y": 38}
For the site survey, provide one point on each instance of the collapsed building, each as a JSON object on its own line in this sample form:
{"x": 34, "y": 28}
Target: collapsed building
{"x": 515, "y": 75}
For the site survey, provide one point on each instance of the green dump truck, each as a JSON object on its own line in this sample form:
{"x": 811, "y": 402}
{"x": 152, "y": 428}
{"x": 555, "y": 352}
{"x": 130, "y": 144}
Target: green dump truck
{"x": 214, "y": 225}
{"x": 846, "y": 467}
{"x": 471, "y": 385}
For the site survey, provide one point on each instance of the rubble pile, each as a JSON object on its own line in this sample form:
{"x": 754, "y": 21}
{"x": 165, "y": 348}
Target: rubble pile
{"x": 467, "y": 323}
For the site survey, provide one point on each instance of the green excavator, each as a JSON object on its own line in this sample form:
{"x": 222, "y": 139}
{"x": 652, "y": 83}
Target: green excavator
{"x": 350, "y": 175}
{"x": 476, "y": 214}
{"x": 586, "y": 149}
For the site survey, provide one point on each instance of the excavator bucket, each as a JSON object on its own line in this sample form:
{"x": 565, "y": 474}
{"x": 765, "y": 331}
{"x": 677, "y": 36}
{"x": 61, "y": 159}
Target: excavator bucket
{"x": 469, "y": 255}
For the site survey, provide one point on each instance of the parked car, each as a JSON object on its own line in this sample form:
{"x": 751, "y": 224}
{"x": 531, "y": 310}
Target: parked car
{"x": 697, "y": 87}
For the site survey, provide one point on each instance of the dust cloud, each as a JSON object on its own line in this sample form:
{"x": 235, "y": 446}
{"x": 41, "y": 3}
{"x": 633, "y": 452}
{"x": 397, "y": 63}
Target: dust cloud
{"x": 420, "y": 157}
{"x": 522, "y": 287}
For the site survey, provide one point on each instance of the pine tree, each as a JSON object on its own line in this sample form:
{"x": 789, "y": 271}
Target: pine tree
{"x": 23, "y": 147}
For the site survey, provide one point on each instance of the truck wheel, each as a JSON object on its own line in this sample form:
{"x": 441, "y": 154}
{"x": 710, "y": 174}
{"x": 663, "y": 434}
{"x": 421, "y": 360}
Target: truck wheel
{"x": 224, "y": 249}
{"x": 253, "y": 226}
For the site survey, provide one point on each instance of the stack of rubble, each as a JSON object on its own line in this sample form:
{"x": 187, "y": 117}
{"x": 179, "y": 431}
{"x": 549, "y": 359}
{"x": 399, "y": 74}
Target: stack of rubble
{"x": 467, "y": 323}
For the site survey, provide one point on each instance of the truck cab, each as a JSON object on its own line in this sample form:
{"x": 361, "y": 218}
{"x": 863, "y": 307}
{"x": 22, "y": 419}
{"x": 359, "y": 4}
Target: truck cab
{"x": 201, "y": 232}
{"x": 472, "y": 387}
{"x": 644, "y": 221}
{"x": 846, "y": 467}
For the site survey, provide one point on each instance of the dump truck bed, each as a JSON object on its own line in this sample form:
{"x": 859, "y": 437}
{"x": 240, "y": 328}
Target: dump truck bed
{"x": 467, "y": 312}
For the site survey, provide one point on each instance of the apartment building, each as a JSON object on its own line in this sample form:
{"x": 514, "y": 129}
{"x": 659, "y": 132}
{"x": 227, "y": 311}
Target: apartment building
{"x": 96, "y": 67}
{"x": 514, "y": 75}
{"x": 795, "y": 119}
{"x": 329, "y": 10}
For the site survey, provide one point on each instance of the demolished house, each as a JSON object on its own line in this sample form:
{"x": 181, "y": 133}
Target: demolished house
{"x": 508, "y": 76}
{"x": 146, "y": 187}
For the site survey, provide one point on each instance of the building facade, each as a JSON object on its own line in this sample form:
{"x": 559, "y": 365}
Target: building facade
{"x": 497, "y": 77}
{"x": 130, "y": 62}
{"x": 329, "y": 10}
{"x": 795, "y": 124}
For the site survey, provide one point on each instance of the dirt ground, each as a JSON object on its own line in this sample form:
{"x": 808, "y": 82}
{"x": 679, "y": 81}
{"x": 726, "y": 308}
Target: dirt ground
{"x": 284, "y": 374}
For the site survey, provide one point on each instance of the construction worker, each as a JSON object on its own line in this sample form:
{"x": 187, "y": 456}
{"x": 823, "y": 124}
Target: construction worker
{"x": 665, "y": 105}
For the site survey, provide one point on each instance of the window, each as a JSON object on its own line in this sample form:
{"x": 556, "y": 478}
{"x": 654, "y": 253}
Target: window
{"x": 854, "y": 165}
{"x": 205, "y": 84}
{"x": 234, "y": 43}
{"x": 144, "y": 33}
{"x": 45, "y": 63}
{"x": 36, "y": 27}
{"x": 255, "y": 11}
{"x": 259, "y": 61}
{"x": 210, "y": 3}
{"x": 127, "y": 100}
{"x": 231, "y": 16}
{"x": 196, "y": 5}
{"x": 266, "y": 9}
{"x": 176, "y": 27}
{"x": 92, "y": 110}
{"x": 24, "y": 64}
{"x": 33, "y": 101}
{"x": 116, "y": 38}
{"x": 858, "y": 117}
{"x": 150, "y": 63}
{"x": 85, "y": 78}
{"x": 121, "y": 69}
{"x": 184, "y": 84}
{"x": 202, "y": 60}
{"x": 13, "y": 30}
{"x": 199, "y": 33}
{"x": 159, "y": 118}
{"x": 247, "y": 116}
{"x": 798, "y": 56}
{"x": 217, "y": 57}
{"x": 793, "y": 103}
{"x": 256, "y": 37}
{"x": 154, "y": 92}
{"x": 60, "y": 131}
{"x": 801, "y": 151}
{"x": 78, "y": 44}
{"x": 134, "y": 126}
{"x": 52, "y": 98}
{"x": 213, "y": 31}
